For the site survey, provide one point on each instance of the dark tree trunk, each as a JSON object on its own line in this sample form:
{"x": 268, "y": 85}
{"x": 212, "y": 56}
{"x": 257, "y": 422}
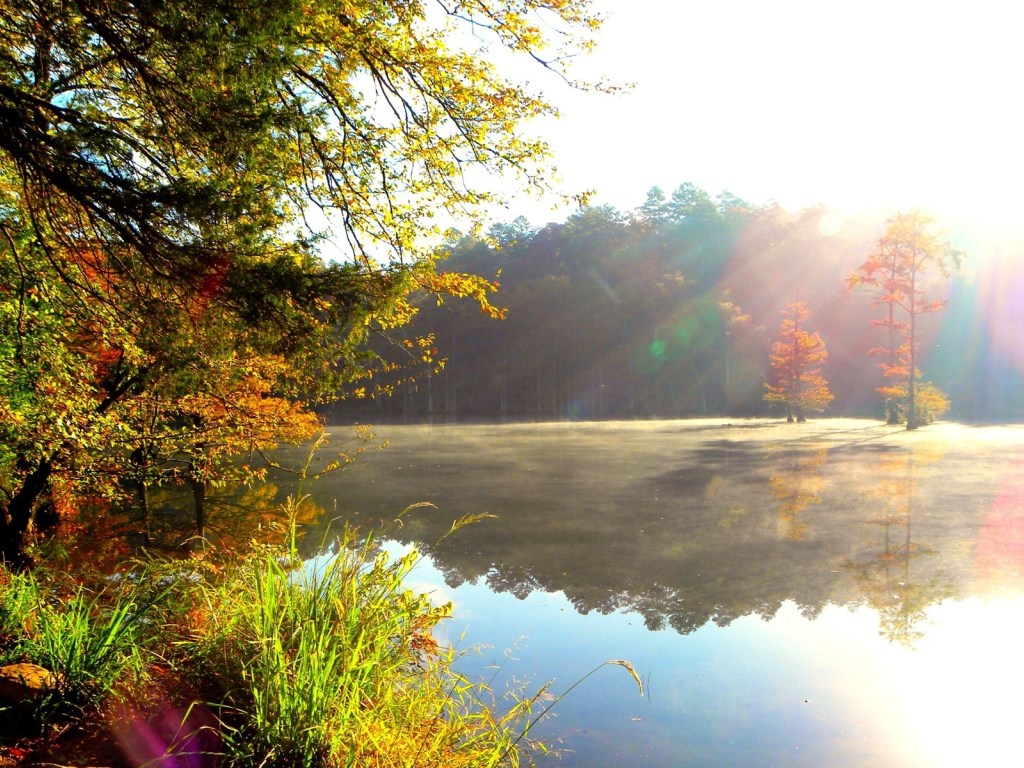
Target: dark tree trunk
{"x": 199, "y": 497}
{"x": 18, "y": 516}
{"x": 140, "y": 460}
{"x": 144, "y": 509}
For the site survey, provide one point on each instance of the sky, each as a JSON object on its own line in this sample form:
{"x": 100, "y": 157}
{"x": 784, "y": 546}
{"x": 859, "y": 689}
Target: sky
{"x": 864, "y": 107}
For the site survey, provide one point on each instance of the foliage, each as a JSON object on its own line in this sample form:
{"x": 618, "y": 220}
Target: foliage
{"x": 622, "y": 314}
{"x": 169, "y": 177}
{"x": 930, "y": 402}
{"x": 609, "y": 315}
{"x": 796, "y": 362}
{"x": 896, "y": 274}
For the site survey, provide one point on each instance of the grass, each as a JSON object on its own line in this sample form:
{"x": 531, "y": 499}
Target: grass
{"x": 258, "y": 660}
{"x": 94, "y": 643}
{"x": 336, "y": 666}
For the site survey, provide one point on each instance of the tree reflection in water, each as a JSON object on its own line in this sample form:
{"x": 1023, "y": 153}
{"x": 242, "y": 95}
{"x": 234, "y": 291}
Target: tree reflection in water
{"x": 884, "y": 576}
{"x": 798, "y": 484}
{"x": 688, "y": 523}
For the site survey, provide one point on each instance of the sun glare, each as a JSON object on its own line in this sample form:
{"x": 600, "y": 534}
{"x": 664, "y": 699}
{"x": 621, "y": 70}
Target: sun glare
{"x": 1001, "y": 306}
{"x": 830, "y": 224}
{"x": 961, "y": 689}
{"x": 951, "y": 700}
{"x": 873, "y": 107}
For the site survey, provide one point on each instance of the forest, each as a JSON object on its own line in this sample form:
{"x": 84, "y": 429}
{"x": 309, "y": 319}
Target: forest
{"x": 670, "y": 310}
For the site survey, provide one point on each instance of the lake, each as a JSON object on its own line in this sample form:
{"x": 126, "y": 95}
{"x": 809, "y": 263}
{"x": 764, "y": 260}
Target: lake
{"x": 835, "y": 593}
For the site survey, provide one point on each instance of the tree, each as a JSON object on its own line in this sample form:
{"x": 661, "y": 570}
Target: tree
{"x": 688, "y": 202}
{"x": 653, "y": 210}
{"x": 897, "y": 274}
{"x": 160, "y": 168}
{"x": 796, "y": 361}
{"x": 508, "y": 235}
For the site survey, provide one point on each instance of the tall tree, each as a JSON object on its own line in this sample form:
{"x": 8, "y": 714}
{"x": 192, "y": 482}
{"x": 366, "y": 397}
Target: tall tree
{"x": 160, "y": 166}
{"x": 653, "y": 210}
{"x": 796, "y": 361}
{"x": 898, "y": 274}
{"x": 689, "y": 202}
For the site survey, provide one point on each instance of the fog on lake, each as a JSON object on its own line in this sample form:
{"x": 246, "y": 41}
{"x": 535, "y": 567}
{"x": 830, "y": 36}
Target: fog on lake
{"x": 833, "y": 593}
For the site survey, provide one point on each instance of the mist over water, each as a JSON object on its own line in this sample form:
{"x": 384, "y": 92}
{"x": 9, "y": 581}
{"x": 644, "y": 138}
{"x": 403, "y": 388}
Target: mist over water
{"x": 797, "y": 594}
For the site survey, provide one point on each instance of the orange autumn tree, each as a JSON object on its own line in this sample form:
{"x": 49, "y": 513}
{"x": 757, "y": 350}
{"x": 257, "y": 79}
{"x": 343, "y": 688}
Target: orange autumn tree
{"x": 796, "y": 361}
{"x": 899, "y": 274}
{"x": 196, "y": 437}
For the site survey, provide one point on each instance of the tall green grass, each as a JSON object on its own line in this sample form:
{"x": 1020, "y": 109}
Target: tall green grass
{"x": 93, "y": 642}
{"x": 18, "y": 598}
{"x": 262, "y": 660}
{"x": 336, "y": 666}
{"x": 93, "y": 645}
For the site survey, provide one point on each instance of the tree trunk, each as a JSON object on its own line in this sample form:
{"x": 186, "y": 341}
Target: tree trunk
{"x": 144, "y": 507}
{"x": 912, "y": 422}
{"x": 140, "y": 460}
{"x": 18, "y": 516}
{"x": 894, "y": 416}
{"x": 199, "y": 497}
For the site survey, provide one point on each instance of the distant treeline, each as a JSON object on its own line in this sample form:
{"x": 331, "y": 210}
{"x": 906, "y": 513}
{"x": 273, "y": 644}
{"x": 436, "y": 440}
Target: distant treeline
{"x": 669, "y": 311}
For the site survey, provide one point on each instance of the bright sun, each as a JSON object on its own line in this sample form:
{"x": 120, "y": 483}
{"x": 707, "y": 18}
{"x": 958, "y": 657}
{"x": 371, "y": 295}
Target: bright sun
{"x": 865, "y": 107}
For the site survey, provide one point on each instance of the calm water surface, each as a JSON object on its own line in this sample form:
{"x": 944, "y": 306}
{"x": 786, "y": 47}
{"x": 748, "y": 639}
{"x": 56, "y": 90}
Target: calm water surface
{"x": 838, "y": 593}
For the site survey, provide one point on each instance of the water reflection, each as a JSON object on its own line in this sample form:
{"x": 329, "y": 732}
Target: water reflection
{"x": 786, "y": 589}
{"x": 688, "y": 523}
{"x": 798, "y": 484}
{"x": 234, "y": 517}
{"x": 786, "y": 691}
{"x": 901, "y": 594}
